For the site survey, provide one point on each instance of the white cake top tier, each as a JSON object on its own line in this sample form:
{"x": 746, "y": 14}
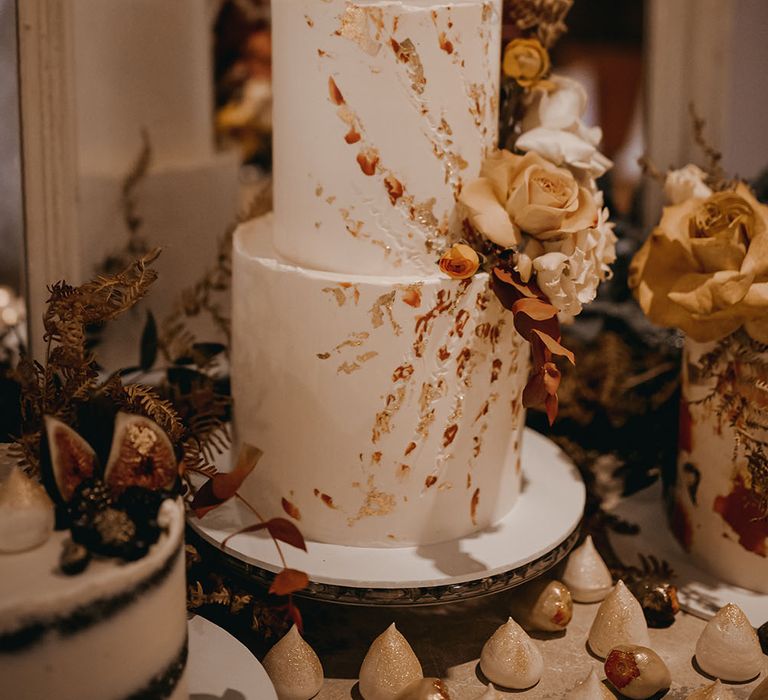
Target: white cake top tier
{"x": 382, "y": 110}
{"x": 142, "y": 64}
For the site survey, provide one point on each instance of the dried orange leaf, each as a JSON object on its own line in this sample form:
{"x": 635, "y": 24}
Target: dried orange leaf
{"x": 537, "y": 309}
{"x": 289, "y": 581}
{"x": 285, "y": 531}
{"x": 221, "y": 487}
{"x": 554, "y": 346}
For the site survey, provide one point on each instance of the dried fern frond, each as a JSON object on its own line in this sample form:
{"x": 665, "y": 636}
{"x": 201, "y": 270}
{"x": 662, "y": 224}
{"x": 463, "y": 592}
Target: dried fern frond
{"x": 544, "y": 19}
{"x": 143, "y": 399}
{"x": 716, "y": 177}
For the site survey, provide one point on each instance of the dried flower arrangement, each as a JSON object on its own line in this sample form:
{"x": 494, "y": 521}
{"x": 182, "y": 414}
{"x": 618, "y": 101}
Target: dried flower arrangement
{"x": 704, "y": 270}
{"x": 534, "y": 219}
{"x": 67, "y": 387}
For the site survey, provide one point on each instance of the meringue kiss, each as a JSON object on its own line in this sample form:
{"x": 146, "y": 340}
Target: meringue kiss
{"x": 586, "y": 574}
{"x": 761, "y": 692}
{"x": 713, "y": 691}
{"x": 389, "y": 667}
{"x": 26, "y": 513}
{"x": 511, "y": 659}
{"x": 590, "y": 689}
{"x": 637, "y": 671}
{"x": 489, "y": 694}
{"x": 293, "y": 668}
{"x": 619, "y": 620}
{"x": 545, "y": 606}
{"x": 728, "y": 647}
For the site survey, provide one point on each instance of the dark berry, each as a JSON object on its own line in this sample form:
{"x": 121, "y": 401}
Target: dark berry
{"x": 762, "y": 634}
{"x": 74, "y": 558}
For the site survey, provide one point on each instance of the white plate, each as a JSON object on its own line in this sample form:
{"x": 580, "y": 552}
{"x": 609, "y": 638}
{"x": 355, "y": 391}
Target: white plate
{"x": 221, "y": 668}
{"x": 546, "y": 515}
{"x": 700, "y": 593}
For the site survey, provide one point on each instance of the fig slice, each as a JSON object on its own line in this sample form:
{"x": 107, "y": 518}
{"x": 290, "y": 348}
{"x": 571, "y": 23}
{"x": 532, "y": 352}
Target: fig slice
{"x": 72, "y": 460}
{"x": 141, "y": 455}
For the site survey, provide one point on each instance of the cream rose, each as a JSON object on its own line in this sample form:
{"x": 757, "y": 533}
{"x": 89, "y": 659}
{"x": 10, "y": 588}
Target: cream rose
{"x": 704, "y": 268}
{"x": 553, "y": 127}
{"x": 686, "y": 183}
{"x": 527, "y": 194}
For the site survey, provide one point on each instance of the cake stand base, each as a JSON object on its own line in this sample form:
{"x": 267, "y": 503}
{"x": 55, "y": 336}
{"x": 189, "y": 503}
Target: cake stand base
{"x": 700, "y": 593}
{"x": 537, "y": 533}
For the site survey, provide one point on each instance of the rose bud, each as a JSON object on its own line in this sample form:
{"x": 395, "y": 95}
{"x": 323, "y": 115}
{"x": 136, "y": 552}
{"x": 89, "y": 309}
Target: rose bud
{"x": 460, "y": 262}
{"x": 637, "y": 672}
{"x": 526, "y": 61}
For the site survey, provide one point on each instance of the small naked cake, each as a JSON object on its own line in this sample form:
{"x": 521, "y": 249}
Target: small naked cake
{"x": 97, "y": 609}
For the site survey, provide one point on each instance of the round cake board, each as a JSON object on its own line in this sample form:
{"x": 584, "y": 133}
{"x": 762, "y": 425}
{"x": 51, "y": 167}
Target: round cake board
{"x": 700, "y": 593}
{"x": 535, "y": 535}
{"x": 221, "y": 668}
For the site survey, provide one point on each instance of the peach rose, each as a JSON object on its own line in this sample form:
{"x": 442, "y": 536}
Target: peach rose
{"x": 526, "y": 61}
{"x": 527, "y": 194}
{"x": 460, "y": 262}
{"x": 704, "y": 268}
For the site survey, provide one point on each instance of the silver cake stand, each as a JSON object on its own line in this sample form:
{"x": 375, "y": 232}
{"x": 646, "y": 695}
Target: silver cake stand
{"x": 537, "y": 533}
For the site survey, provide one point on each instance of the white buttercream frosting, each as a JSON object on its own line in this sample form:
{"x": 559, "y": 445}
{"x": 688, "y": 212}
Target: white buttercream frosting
{"x": 586, "y": 574}
{"x": 510, "y": 658}
{"x": 293, "y": 668}
{"x": 382, "y": 110}
{"x": 388, "y": 409}
{"x": 389, "y": 667}
{"x": 619, "y": 620}
{"x": 590, "y": 689}
{"x": 26, "y": 513}
{"x": 728, "y": 647}
{"x": 713, "y": 691}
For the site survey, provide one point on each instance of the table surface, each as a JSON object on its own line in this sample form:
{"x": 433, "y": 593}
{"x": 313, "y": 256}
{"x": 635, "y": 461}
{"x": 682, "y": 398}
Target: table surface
{"x": 448, "y": 639}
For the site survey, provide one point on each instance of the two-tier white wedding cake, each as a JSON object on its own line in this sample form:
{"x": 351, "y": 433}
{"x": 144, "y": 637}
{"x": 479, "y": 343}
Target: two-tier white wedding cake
{"x": 386, "y": 397}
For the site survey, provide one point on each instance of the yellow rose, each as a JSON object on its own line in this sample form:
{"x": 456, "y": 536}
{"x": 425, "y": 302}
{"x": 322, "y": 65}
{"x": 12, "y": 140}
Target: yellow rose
{"x": 526, "y": 61}
{"x": 460, "y": 262}
{"x": 527, "y": 194}
{"x": 704, "y": 268}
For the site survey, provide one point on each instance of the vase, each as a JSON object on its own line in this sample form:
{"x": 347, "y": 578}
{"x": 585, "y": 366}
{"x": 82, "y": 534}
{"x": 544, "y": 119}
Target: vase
{"x": 719, "y": 504}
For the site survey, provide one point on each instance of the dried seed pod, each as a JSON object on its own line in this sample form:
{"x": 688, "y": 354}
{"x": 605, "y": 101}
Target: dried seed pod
{"x": 542, "y": 605}
{"x": 637, "y": 671}
{"x": 619, "y": 620}
{"x": 586, "y": 574}
{"x": 728, "y": 647}
{"x": 590, "y": 689}
{"x": 389, "y": 667}
{"x": 511, "y": 659}
{"x": 426, "y": 689}
{"x": 293, "y": 668}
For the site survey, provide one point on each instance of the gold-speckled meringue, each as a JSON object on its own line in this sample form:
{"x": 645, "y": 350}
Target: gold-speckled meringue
{"x": 26, "y": 513}
{"x": 637, "y": 671}
{"x": 619, "y": 620}
{"x": 489, "y": 693}
{"x": 389, "y": 667}
{"x": 761, "y": 692}
{"x": 511, "y": 659}
{"x": 586, "y": 574}
{"x": 590, "y": 689}
{"x": 728, "y": 647}
{"x": 426, "y": 689}
{"x": 713, "y": 691}
{"x": 544, "y": 606}
{"x": 293, "y": 668}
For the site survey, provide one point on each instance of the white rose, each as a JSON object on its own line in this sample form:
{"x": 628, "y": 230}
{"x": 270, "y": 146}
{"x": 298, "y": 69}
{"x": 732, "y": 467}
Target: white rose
{"x": 686, "y": 183}
{"x": 570, "y": 270}
{"x": 552, "y": 126}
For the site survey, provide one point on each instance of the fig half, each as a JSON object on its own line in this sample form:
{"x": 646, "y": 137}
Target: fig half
{"x": 72, "y": 460}
{"x": 141, "y": 455}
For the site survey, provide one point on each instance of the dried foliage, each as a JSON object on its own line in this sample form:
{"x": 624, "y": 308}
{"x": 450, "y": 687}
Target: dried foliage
{"x": 543, "y": 19}
{"x": 716, "y": 177}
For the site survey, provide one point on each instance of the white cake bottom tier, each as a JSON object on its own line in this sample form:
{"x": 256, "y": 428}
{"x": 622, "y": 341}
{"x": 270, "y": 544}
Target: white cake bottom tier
{"x": 117, "y": 630}
{"x": 388, "y": 408}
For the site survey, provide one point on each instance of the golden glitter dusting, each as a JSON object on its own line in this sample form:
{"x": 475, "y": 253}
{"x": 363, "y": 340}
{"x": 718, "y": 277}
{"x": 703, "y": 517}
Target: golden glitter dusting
{"x": 354, "y": 26}
{"x": 360, "y": 360}
{"x": 376, "y": 502}
{"x": 384, "y": 305}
